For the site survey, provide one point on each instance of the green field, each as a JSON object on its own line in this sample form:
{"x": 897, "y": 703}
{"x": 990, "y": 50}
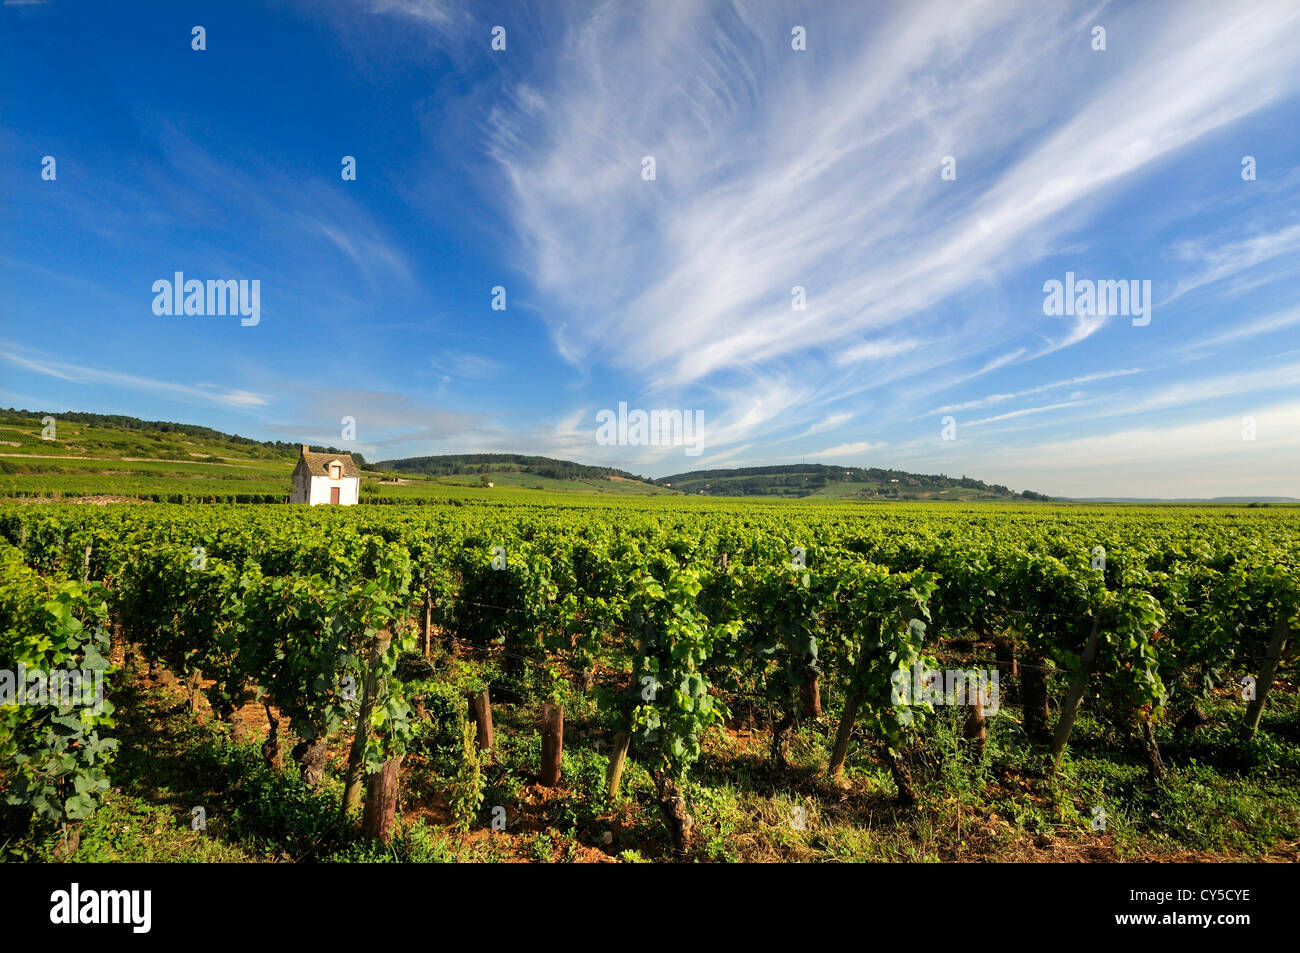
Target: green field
{"x": 742, "y": 655}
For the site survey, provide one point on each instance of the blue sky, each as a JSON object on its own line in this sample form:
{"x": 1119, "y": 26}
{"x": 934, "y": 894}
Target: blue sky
{"x": 774, "y": 168}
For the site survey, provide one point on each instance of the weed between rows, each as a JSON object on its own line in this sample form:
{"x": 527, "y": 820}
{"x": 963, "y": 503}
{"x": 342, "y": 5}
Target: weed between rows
{"x": 1221, "y": 799}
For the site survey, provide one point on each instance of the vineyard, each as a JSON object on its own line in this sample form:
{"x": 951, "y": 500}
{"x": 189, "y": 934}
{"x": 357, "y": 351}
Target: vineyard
{"x": 652, "y": 680}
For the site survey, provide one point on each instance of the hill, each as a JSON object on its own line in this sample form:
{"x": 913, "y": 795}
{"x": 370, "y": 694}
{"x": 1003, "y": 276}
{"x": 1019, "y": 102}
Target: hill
{"x": 518, "y": 471}
{"x": 119, "y": 436}
{"x": 478, "y": 464}
{"x": 116, "y": 456}
{"x": 821, "y": 480}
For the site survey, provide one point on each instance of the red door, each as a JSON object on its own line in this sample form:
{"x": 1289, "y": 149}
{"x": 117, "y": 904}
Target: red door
{"x": 334, "y": 494}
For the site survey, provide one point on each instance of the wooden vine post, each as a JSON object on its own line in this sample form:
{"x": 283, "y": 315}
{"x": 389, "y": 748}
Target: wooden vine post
{"x": 1033, "y": 693}
{"x": 1150, "y": 750}
{"x": 357, "y": 756}
{"x": 902, "y": 778}
{"x": 1005, "y": 651}
{"x": 975, "y": 722}
{"x": 480, "y": 712}
{"x": 811, "y": 694}
{"x": 272, "y": 747}
{"x": 552, "y": 743}
{"x": 840, "y": 753}
{"x": 780, "y": 739}
{"x": 844, "y": 733}
{"x": 1078, "y": 685}
{"x": 614, "y": 774}
{"x": 672, "y": 807}
{"x": 380, "y": 814}
{"x": 1276, "y": 645}
{"x": 428, "y": 619}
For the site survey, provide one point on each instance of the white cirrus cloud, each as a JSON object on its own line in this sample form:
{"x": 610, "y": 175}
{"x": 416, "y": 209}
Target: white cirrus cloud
{"x": 845, "y": 450}
{"x": 992, "y": 399}
{"x": 83, "y": 374}
{"x": 1274, "y": 321}
{"x": 464, "y": 365}
{"x": 774, "y": 172}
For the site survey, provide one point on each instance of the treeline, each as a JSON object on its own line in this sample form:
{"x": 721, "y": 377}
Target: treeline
{"x": 274, "y": 448}
{"x": 123, "y": 422}
{"x": 316, "y": 448}
{"x": 469, "y": 464}
{"x": 797, "y": 479}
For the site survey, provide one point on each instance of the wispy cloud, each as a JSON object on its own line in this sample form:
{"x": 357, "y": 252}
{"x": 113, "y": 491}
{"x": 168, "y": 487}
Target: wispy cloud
{"x": 992, "y": 399}
{"x": 845, "y": 451}
{"x": 830, "y": 423}
{"x": 433, "y": 12}
{"x": 774, "y": 171}
{"x": 1217, "y": 262}
{"x": 1024, "y": 412}
{"x": 81, "y": 374}
{"x": 1217, "y": 387}
{"x": 466, "y": 366}
{"x": 876, "y": 350}
{"x": 1277, "y": 321}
